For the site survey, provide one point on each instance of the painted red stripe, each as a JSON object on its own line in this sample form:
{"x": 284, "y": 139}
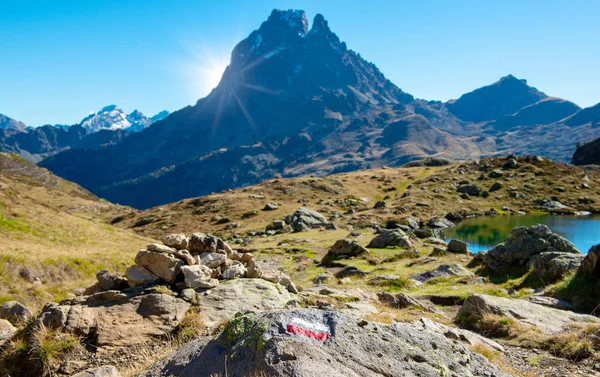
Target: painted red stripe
{"x": 296, "y": 330}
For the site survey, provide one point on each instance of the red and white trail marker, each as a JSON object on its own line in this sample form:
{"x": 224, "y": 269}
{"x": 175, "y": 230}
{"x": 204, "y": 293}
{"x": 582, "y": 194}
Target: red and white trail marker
{"x": 313, "y": 330}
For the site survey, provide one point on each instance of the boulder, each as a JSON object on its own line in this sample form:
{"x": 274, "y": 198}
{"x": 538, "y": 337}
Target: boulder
{"x": 201, "y": 243}
{"x": 525, "y": 243}
{"x": 390, "y": 237}
{"x": 211, "y": 260}
{"x": 165, "y": 266}
{"x": 399, "y": 301}
{"x": 270, "y": 206}
{"x": 458, "y": 247}
{"x": 15, "y": 312}
{"x": 304, "y": 219}
{"x": 323, "y": 277}
{"x": 379, "y": 204}
{"x": 159, "y": 248}
{"x": 552, "y": 266}
{"x": 182, "y": 254}
{"x": 410, "y": 221}
{"x": 103, "y": 371}
{"x": 108, "y": 281}
{"x": 443, "y": 271}
{"x": 309, "y": 343}
{"x": 7, "y": 330}
{"x": 345, "y": 249}
{"x": 544, "y": 319}
{"x": 470, "y": 189}
{"x": 496, "y": 186}
{"x": 140, "y": 276}
{"x": 349, "y": 271}
{"x": 590, "y": 265}
{"x": 113, "y": 319}
{"x": 235, "y": 295}
{"x": 177, "y": 241}
{"x": 198, "y": 276}
{"x": 440, "y": 223}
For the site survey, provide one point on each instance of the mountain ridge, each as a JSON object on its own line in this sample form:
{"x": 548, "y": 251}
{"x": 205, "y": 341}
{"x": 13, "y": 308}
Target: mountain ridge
{"x": 287, "y": 81}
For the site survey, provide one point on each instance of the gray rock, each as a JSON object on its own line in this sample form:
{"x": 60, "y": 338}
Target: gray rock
{"x": 523, "y": 244}
{"x": 399, "y": 301}
{"x": 165, "y": 266}
{"x": 201, "y": 243}
{"x": 235, "y": 295}
{"x": 510, "y": 164}
{"x": 198, "y": 276}
{"x": 211, "y": 260}
{"x": 140, "y": 276}
{"x": 344, "y": 249}
{"x": 440, "y": 223}
{"x": 550, "y": 302}
{"x": 410, "y": 221}
{"x": 103, "y": 371}
{"x": 496, "y": 186}
{"x": 54, "y": 316}
{"x": 108, "y": 281}
{"x": 177, "y": 241}
{"x": 390, "y": 237}
{"x": 311, "y": 343}
{"x": 270, "y": 206}
{"x": 544, "y": 319}
{"x": 350, "y": 271}
{"x": 380, "y": 204}
{"x": 15, "y": 312}
{"x": 236, "y": 271}
{"x": 457, "y": 247}
{"x": 304, "y": 218}
{"x": 7, "y": 330}
{"x": 322, "y": 277}
{"x": 453, "y": 333}
{"x": 552, "y": 266}
{"x": 496, "y": 173}
{"x": 470, "y": 189}
{"x": 442, "y": 271}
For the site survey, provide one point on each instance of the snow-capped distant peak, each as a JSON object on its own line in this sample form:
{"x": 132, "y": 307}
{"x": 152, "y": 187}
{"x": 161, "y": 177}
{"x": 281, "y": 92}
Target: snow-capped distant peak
{"x": 113, "y": 118}
{"x": 109, "y": 118}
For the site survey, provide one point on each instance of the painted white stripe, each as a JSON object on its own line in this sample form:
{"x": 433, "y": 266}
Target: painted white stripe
{"x": 309, "y": 325}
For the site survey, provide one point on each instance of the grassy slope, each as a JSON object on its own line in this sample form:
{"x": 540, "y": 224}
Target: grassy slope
{"x": 55, "y": 231}
{"x": 405, "y": 190}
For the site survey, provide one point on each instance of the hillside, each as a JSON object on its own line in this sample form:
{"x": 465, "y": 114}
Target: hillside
{"x": 588, "y": 153}
{"x": 423, "y": 192}
{"x": 54, "y": 235}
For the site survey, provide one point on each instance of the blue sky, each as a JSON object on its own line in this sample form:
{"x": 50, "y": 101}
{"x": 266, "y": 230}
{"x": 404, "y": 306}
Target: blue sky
{"x": 63, "y": 59}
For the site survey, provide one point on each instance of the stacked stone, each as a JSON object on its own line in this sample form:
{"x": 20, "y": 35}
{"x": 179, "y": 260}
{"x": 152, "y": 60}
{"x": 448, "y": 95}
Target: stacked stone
{"x": 199, "y": 261}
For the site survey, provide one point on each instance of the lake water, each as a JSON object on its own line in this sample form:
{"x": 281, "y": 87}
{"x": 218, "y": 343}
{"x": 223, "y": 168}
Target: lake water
{"x": 483, "y": 233}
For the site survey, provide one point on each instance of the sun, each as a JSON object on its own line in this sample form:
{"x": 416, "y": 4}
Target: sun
{"x": 212, "y": 73}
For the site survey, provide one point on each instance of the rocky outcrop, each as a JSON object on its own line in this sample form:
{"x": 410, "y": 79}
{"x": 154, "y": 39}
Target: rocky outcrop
{"x": 303, "y": 219}
{"x": 305, "y": 343}
{"x": 590, "y": 265}
{"x": 443, "y": 271}
{"x": 545, "y": 319}
{"x": 222, "y": 302}
{"x": 390, "y": 237}
{"x": 117, "y": 318}
{"x": 342, "y": 249}
{"x": 534, "y": 247}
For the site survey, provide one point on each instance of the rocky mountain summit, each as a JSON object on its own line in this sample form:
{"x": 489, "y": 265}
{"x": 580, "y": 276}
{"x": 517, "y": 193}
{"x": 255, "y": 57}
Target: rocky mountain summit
{"x": 296, "y": 100}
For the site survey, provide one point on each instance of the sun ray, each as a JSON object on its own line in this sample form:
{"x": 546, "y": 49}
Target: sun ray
{"x": 244, "y": 111}
{"x": 258, "y": 88}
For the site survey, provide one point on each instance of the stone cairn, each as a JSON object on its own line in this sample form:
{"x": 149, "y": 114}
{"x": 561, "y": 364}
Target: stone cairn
{"x": 199, "y": 261}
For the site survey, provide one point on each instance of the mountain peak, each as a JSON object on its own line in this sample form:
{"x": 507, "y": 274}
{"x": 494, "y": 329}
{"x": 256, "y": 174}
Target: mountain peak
{"x": 293, "y": 19}
{"x": 504, "y": 97}
{"x": 108, "y": 109}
